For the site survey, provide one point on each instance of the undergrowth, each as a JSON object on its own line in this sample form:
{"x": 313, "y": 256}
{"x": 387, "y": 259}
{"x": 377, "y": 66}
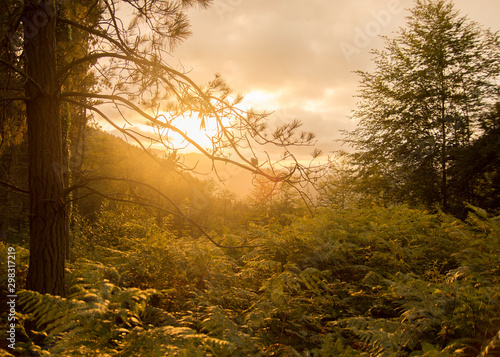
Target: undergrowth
{"x": 364, "y": 282}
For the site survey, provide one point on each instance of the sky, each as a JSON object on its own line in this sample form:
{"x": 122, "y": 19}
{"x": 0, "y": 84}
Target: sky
{"x": 298, "y": 57}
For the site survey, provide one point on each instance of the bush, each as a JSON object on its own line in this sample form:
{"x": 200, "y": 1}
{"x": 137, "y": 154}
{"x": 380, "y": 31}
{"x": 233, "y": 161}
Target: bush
{"x": 364, "y": 282}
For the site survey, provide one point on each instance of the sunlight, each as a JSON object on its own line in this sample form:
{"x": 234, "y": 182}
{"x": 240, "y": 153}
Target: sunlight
{"x": 188, "y": 124}
{"x": 261, "y": 99}
{"x": 191, "y": 126}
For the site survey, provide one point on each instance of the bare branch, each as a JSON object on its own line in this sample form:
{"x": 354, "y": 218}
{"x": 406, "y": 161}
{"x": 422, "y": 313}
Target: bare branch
{"x": 25, "y": 75}
{"x": 204, "y": 104}
{"x": 121, "y": 130}
{"x": 246, "y": 129}
{"x": 14, "y": 188}
{"x": 159, "y": 123}
{"x": 178, "y": 212}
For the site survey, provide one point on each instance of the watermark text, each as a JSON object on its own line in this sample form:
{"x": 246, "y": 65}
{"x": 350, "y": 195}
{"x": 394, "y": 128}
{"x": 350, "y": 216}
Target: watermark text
{"x": 11, "y": 297}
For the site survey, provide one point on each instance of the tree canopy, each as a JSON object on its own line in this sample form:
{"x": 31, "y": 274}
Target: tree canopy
{"x": 433, "y": 85}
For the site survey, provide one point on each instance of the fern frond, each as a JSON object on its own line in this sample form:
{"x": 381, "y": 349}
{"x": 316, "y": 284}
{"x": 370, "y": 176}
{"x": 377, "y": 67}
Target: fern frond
{"x": 313, "y": 280}
{"x": 157, "y": 317}
{"x": 331, "y": 347}
{"x": 48, "y": 309}
{"x": 387, "y": 337}
{"x": 86, "y": 318}
{"x": 264, "y": 264}
{"x": 493, "y": 348}
{"x": 174, "y": 341}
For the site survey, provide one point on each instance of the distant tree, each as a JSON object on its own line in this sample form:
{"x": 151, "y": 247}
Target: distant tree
{"x": 431, "y": 86}
{"x": 128, "y": 43}
{"x": 225, "y": 208}
{"x": 274, "y": 201}
{"x": 476, "y": 168}
{"x": 337, "y": 188}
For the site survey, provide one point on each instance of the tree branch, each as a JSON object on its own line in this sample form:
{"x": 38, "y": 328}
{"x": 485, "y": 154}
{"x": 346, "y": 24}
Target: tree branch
{"x": 25, "y": 75}
{"x": 159, "y": 123}
{"x": 121, "y": 130}
{"x": 179, "y": 213}
{"x": 191, "y": 98}
{"x": 14, "y": 188}
{"x": 153, "y": 67}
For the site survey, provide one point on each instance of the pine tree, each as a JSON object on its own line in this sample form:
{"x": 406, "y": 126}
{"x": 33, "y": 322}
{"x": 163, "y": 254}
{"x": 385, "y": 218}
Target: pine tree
{"x": 129, "y": 55}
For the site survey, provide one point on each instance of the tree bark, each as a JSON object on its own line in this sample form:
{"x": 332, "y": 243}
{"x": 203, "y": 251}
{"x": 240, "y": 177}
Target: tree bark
{"x": 444, "y": 173}
{"x": 46, "y": 190}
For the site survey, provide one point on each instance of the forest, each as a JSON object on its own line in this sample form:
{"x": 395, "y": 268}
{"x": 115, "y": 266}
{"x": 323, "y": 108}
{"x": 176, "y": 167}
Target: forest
{"x": 114, "y": 244}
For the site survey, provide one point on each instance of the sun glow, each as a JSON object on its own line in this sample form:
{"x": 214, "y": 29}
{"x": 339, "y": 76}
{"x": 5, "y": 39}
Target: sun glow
{"x": 260, "y": 99}
{"x": 159, "y": 137}
{"x": 191, "y": 126}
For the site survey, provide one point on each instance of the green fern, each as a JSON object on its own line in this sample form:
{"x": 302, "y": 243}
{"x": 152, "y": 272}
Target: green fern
{"x": 493, "y": 348}
{"x": 94, "y": 316}
{"x": 173, "y": 341}
{"x": 386, "y": 337}
{"x": 221, "y": 324}
{"x": 429, "y": 350}
{"x": 368, "y": 282}
{"x": 331, "y": 347}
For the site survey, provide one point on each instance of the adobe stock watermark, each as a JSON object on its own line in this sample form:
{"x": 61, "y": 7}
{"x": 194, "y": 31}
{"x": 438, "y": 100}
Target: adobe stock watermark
{"x": 11, "y": 298}
{"x": 363, "y": 36}
{"x": 31, "y": 23}
{"x": 224, "y": 7}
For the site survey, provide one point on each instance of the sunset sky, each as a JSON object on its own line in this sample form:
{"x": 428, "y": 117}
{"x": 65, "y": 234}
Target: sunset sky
{"x": 294, "y": 57}
{"x": 297, "y": 57}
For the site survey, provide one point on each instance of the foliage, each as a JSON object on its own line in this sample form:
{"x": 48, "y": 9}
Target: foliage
{"x": 477, "y": 168}
{"x": 337, "y": 188}
{"x": 99, "y": 317}
{"x": 421, "y": 107}
{"x": 370, "y": 281}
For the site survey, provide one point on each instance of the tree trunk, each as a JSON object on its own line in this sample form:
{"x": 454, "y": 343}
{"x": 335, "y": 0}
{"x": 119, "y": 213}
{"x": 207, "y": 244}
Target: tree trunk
{"x": 46, "y": 191}
{"x": 444, "y": 173}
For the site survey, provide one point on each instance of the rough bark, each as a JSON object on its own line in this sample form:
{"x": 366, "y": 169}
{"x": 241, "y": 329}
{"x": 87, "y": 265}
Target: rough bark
{"x": 46, "y": 191}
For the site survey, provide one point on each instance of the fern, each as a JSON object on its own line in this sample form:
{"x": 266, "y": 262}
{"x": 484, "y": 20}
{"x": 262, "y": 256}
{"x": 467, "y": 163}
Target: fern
{"x": 93, "y": 316}
{"x": 429, "y": 350}
{"x": 69, "y": 321}
{"x": 264, "y": 265}
{"x": 493, "y": 348}
{"x": 331, "y": 347}
{"x": 118, "y": 326}
{"x": 173, "y": 341}
{"x": 157, "y": 317}
{"x": 386, "y": 337}
{"x": 221, "y": 324}
{"x": 368, "y": 282}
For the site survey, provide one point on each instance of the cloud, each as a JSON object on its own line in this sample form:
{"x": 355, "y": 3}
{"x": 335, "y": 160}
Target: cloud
{"x": 288, "y": 47}
{"x": 298, "y": 52}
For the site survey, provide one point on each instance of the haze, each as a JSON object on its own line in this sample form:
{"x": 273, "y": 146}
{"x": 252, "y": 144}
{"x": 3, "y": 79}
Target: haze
{"x": 297, "y": 57}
